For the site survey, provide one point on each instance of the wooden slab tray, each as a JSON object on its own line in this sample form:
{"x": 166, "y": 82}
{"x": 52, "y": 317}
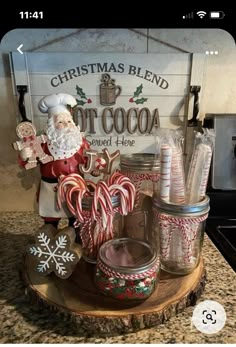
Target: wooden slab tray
{"x": 78, "y": 298}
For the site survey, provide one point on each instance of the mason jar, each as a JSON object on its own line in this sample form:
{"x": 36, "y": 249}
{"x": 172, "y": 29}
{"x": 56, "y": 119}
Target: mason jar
{"x": 178, "y": 232}
{"x": 92, "y": 233}
{"x": 143, "y": 170}
{"x": 127, "y": 269}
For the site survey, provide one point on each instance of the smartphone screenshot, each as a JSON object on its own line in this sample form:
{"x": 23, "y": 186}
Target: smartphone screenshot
{"x": 95, "y": 99}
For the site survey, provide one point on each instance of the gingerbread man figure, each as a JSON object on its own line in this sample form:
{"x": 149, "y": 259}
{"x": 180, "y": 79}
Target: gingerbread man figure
{"x": 27, "y": 133}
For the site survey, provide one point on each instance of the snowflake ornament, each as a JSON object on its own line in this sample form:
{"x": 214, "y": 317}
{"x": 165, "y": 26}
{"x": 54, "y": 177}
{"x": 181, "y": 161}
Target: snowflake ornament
{"x": 55, "y": 251}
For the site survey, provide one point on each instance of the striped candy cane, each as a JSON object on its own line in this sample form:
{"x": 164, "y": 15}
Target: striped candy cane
{"x": 97, "y": 224}
{"x": 137, "y": 180}
{"x": 185, "y": 224}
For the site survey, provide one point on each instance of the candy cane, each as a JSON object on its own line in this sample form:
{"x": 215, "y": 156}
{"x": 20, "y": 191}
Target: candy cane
{"x": 72, "y": 179}
{"x": 117, "y": 189}
{"x": 126, "y": 184}
{"x": 185, "y": 225}
{"x": 119, "y": 179}
{"x": 64, "y": 181}
{"x": 137, "y": 179}
{"x": 67, "y": 186}
{"x": 97, "y": 225}
{"x": 98, "y": 232}
{"x": 105, "y": 191}
{"x": 99, "y": 201}
{"x": 166, "y": 235}
{"x": 71, "y": 191}
{"x": 91, "y": 184}
{"x": 78, "y": 203}
{"x": 68, "y": 199}
{"x": 109, "y": 229}
{"x": 86, "y": 234}
{"x": 116, "y": 174}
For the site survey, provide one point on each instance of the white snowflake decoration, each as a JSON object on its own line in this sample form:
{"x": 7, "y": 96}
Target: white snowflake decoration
{"x": 54, "y": 253}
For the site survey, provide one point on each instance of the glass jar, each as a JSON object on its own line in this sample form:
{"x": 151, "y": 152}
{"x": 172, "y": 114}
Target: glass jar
{"x": 143, "y": 171}
{"x": 93, "y": 234}
{"x": 179, "y": 231}
{"x": 127, "y": 269}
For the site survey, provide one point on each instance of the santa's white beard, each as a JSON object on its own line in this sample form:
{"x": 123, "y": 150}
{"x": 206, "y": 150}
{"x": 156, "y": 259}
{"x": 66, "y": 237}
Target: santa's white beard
{"x": 64, "y": 139}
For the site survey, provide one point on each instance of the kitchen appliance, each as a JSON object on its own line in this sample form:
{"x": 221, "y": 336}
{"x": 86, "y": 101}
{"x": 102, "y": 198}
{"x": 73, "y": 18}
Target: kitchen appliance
{"x": 221, "y": 223}
{"x": 223, "y": 173}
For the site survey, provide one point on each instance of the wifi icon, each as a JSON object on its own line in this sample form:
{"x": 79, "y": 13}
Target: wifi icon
{"x": 201, "y": 14}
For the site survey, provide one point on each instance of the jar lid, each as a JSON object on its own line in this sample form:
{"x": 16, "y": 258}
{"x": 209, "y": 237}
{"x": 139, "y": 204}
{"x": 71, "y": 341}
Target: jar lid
{"x": 140, "y": 162}
{"x": 127, "y": 256}
{"x": 197, "y": 209}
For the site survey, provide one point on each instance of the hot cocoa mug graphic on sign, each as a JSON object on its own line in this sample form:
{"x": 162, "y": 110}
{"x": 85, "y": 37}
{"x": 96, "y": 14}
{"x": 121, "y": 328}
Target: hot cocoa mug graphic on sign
{"x": 108, "y": 90}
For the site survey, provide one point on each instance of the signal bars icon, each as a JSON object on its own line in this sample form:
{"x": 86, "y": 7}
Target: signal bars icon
{"x": 188, "y": 16}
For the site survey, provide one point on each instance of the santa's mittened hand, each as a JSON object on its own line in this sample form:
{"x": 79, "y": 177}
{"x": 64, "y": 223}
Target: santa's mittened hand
{"x": 26, "y": 153}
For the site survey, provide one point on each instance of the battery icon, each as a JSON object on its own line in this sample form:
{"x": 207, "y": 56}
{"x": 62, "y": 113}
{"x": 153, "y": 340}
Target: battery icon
{"x": 217, "y": 14}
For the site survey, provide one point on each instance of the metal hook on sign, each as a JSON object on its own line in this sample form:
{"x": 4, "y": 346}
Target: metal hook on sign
{"x": 195, "y": 91}
{"x": 21, "y": 103}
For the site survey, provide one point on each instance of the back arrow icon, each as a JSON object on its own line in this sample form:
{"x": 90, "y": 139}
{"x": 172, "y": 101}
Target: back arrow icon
{"x": 19, "y": 49}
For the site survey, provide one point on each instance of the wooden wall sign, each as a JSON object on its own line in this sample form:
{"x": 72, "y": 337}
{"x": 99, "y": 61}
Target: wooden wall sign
{"x": 121, "y": 98}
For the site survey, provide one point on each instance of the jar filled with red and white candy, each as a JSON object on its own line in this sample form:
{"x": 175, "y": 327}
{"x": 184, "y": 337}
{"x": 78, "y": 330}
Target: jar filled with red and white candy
{"x": 143, "y": 170}
{"x": 98, "y": 226}
{"x": 97, "y": 208}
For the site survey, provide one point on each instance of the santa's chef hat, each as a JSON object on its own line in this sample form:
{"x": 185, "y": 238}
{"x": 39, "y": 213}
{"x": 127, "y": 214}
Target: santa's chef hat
{"x": 56, "y": 103}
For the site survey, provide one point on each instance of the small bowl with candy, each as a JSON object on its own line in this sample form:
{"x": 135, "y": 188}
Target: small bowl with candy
{"x": 127, "y": 269}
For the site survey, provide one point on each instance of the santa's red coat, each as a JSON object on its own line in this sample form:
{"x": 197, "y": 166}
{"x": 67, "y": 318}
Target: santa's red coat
{"x": 59, "y": 167}
{"x": 67, "y": 166}
{"x": 50, "y": 172}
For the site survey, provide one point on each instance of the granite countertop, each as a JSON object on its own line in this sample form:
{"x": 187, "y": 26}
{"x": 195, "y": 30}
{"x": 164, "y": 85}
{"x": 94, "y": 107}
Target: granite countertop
{"x": 22, "y": 322}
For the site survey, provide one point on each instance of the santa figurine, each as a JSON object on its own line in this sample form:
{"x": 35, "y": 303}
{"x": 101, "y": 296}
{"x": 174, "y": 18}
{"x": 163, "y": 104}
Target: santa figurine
{"x": 66, "y": 144}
